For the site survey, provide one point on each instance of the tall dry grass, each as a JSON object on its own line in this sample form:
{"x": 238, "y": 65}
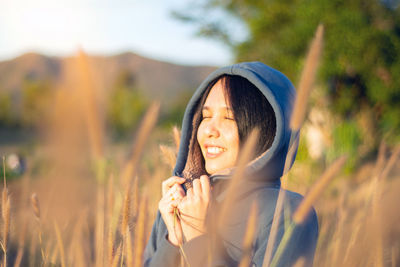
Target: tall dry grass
{"x": 297, "y": 119}
{"x": 84, "y": 221}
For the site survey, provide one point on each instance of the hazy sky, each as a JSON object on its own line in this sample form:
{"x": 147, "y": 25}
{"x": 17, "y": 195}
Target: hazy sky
{"x": 59, "y": 27}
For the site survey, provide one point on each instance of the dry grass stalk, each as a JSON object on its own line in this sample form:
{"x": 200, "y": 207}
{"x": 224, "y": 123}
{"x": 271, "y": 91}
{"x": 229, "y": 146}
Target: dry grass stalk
{"x": 147, "y": 125}
{"x": 21, "y": 245}
{"x": 93, "y": 120}
{"x": 5, "y": 208}
{"x": 32, "y": 252}
{"x": 110, "y": 210}
{"x": 393, "y": 256}
{"x": 53, "y": 252}
{"x": 100, "y": 228}
{"x": 135, "y": 194}
{"x": 274, "y": 227}
{"x": 377, "y": 220}
{"x": 245, "y": 156}
{"x": 177, "y": 137}
{"x": 117, "y": 256}
{"x": 338, "y": 234}
{"x": 36, "y": 211}
{"x": 352, "y": 242}
{"x": 305, "y": 206}
{"x": 379, "y": 165}
{"x": 391, "y": 162}
{"x": 128, "y": 247}
{"x": 376, "y": 174}
{"x": 168, "y": 155}
{"x": 316, "y": 190}
{"x": 307, "y": 80}
{"x": 298, "y": 115}
{"x": 77, "y": 247}
{"x": 60, "y": 244}
{"x": 249, "y": 236}
{"x": 140, "y": 232}
{"x": 110, "y": 244}
{"x": 6, "y": 227}
{"x": 126, "y": 211}
{"x": 35, "y": 205}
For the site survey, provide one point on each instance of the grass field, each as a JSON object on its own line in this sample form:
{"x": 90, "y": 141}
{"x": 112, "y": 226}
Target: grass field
{"x": 85, "y": 201}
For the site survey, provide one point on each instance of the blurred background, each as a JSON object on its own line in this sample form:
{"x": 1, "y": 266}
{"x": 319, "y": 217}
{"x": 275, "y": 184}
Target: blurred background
{"x": 76, "y": 78}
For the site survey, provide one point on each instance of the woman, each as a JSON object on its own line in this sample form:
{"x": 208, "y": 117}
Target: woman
{"x": 221, "y": 114}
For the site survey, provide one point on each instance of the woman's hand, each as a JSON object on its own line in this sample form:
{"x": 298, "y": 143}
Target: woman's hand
{"x": 193, "y": 208}
{"x": 172, "y": 194}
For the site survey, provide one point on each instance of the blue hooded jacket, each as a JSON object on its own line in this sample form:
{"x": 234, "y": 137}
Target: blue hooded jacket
{"x": 261, "y": 185}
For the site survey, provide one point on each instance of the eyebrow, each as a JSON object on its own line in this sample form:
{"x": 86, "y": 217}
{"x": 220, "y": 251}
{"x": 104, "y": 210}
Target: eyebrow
{"x": 227, "y": 108}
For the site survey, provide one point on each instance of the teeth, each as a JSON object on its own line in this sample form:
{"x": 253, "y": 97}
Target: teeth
{"x": 215, "y": 150}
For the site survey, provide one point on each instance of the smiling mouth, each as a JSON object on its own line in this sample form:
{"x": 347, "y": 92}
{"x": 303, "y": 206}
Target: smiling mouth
{"x": 214, "y": 151}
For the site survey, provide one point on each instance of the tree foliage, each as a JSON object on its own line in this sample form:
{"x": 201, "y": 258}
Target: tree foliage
{"x": 5, "y": 110}
{"x": 361, "y": 59}
{"x": 36, "y": 100}
{"x": 125, "y": 106}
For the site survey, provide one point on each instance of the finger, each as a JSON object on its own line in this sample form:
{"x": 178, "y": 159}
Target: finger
{"x": 196, "y": 187}
{"x": 179, "y": 191}
{"x": 174, "y": 193}
{"x": 205, "y": 185}
{"x": 176, "y": 190}
{"x": 189, "y": 192}
{"x": 167, "y": 184}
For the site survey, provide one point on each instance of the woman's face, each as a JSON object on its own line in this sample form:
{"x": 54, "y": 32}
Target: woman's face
{"x": 218, "y": 135}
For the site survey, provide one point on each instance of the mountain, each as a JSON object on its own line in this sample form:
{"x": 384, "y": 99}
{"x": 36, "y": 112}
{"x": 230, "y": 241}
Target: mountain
{"x": 156, "y": 79}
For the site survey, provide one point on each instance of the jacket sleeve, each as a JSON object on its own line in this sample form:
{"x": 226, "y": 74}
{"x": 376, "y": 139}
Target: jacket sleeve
{"x": 159, "y": 251}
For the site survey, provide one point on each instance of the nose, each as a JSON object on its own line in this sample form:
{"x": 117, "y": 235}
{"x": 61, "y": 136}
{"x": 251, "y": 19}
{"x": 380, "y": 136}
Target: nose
{"x": 212, "y": 129}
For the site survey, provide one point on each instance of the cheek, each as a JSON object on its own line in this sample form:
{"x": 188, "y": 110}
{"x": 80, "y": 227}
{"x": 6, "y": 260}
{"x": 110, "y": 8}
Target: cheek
{"x": 200, "y": 133}
{"x": 232, "y": 137}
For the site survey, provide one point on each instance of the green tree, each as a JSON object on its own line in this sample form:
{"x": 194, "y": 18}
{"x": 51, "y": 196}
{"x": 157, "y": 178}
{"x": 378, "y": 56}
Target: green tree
{"x": 5, "y": 110}
{"x": 361, "y": 57}
{"x": 36, "y": 100}
{"x": 125, "y": 107}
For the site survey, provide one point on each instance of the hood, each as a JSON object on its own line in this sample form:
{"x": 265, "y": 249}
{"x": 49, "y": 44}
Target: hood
{"x": 280, "y": 93}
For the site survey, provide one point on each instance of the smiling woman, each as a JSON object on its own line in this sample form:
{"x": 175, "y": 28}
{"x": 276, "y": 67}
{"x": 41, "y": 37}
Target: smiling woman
{"x": 219, "y": 118}
{"x": 217, "y": 134}
{"x": 230, "y": 108}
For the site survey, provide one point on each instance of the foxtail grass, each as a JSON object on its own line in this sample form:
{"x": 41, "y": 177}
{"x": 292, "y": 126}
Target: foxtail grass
{"x": 93, "y": 121}
{"x": 297, "y": 118}
{"x": 246, "y": 155}
{"x": 140, "y": 232}
{"x": 305, "y": 206}
{"x": 21, "y": 245}
{"x": 177, "y": 137}
{"x": 126, "y": 210}
{"x": 110, "y": 210}
{"x": 145, "y": 129}
{"x": 379, "y": 254}
{"x": 168, "y": 155}
{"x": 307, "y": 79}
{"x": 129, "y": 248}
{"x": 5, "y": 208}
{"x": 100, "y": 226}
{"x": 60, "y": 245}
{"x": 117, "y": 256}
{"x": 36, "y": 211}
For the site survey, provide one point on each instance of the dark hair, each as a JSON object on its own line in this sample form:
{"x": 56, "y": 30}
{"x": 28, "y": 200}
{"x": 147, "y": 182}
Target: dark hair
{"x": 250, "y": 110}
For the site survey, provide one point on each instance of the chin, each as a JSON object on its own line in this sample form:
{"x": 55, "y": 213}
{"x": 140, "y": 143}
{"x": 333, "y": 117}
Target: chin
{"x": 214, "y": 167}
